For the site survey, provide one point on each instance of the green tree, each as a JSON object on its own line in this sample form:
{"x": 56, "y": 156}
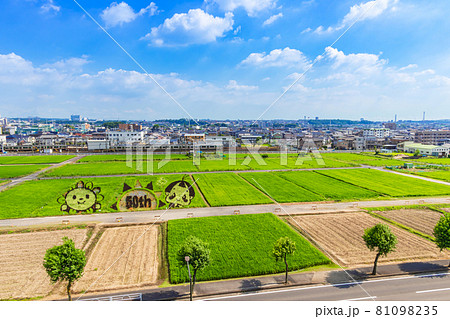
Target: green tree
{"x": 65, "y": 263}
{"x": 442, "y": 232}
{"x": 381, "y": 239}
{"x": 199, "y": 257}
{"x": 283, "y": 247}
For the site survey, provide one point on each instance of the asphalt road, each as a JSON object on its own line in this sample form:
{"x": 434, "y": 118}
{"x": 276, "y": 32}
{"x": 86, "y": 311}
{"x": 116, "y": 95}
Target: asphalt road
{"x": 164, "y": 215}
{"x": 432, "y": 287}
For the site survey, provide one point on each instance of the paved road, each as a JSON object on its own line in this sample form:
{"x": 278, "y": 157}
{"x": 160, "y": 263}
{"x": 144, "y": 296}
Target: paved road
{"x": 164, "y": 215}
{"x": 432, "y": 287}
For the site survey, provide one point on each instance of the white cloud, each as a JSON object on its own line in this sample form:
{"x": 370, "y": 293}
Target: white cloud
{"x": 342, "y": 85}
{"x": 69, "y": 65}
{"x": 50, "y": 7}
{"x": 363, "y": 11}
{"x": 286, "y": 57}
{"x": 252, "y": 7}
{"x": 359, "y": 62}
{"x": 233, "y": 85}
{"x": 194, "y": 27}
{"x": 272, "y": 19}
{"x": 120, "y": 13}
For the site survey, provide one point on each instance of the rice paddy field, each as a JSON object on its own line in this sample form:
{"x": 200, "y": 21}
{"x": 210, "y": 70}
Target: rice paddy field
{"x": 241, "y": 245}
{"x": 39, "y": 198}
{"x": 388, "y": 183}
{"x": 361, "y": 159}
{"x": 95, "y": 165}
{"x": 228, "y": 189}
{"x": 13, "y": 171}
{"x": 36, "y": 159}
{"x": 281, "y": 190}
{"x": 443, "y": 175}
{"x": 439, "y": 161}
{"x": 327, "y": 187}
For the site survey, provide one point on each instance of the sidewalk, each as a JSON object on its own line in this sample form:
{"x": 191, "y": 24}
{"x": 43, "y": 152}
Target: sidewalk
{"x": 331, "y": 277}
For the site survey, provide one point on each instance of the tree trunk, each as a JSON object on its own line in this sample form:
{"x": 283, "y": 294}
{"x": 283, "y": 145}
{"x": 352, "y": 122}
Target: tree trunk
{"x": 374, "y": 271}
{"x": 287, "y": 268}
{"x": 69, "y": 286}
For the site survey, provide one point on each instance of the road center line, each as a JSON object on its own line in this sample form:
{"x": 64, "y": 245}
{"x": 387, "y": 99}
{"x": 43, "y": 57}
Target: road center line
{"x": 363, "y": 298}
{"x": 432, "y": 290}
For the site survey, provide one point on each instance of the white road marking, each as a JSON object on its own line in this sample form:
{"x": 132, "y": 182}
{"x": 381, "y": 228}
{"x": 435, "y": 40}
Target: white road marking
{"x": 363, "y": 298}
{"x": 328, "y": 286}
{"x": 432, "y": 290}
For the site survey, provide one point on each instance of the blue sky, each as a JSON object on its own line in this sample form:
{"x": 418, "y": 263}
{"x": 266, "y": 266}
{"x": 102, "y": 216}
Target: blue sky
{"x": 225, "y": 59}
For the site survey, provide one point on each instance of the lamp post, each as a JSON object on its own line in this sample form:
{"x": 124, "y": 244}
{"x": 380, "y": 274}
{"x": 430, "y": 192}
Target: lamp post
{"x": 190, "y": 278}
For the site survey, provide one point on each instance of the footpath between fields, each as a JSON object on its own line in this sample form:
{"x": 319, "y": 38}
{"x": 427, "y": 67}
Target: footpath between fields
{"x": 254, "y": 284}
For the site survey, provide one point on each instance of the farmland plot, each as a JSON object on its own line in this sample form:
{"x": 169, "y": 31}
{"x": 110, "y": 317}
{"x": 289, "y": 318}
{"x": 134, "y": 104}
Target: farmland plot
{"x": 388, "y": 183}
{"x": 137, "y": 267}
{"x": 326, "y": 186}
{"x": 39, "y": 197}
{"x": 13, "y": 171}
{"x": 241, "y": 245}
{"x": 422, "y": 220}
{"x": 21, "y": 256}
{"x": 227, "y": 189}
{"x": 38, "y": 159}
{"x": 443, "y": 175}
{"x": 356, "y": 158}
{"x": 280, "y": 189}
{"x": 341, "y": 235}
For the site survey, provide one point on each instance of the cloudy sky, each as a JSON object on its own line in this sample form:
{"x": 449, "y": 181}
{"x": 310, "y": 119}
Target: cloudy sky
{"x": 225, "y": 59}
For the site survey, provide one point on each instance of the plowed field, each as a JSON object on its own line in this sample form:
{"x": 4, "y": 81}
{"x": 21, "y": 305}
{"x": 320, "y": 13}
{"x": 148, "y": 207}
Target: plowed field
{"x": 21, "y": 256}
{"x": 138, "y": 265}
{"x": 422, "y": 220}
{"x": 341, "y": 235}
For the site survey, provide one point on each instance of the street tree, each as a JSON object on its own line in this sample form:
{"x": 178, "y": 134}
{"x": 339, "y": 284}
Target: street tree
{"x": 381, "y": 239}
{"x": 281, "y": 249}
{"x": 65, "y": 263}
{"x": 442, "y": 232}
{"x": 199, "y": 257}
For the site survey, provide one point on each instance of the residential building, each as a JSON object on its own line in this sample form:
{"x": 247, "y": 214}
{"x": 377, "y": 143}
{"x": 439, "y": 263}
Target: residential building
{"x": 376, "y": 132}
{"x": 432, "y": 137}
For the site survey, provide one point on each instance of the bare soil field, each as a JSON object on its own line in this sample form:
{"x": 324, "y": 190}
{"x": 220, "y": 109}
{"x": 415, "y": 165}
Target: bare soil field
{"x": 341, "y": 236}
{"x": 137, "y": 267}
{"x": 422, "y": 220}
{"x": 21, "y": 256}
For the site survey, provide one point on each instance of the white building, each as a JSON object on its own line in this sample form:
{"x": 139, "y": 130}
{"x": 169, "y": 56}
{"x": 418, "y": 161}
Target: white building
{"x": 429, "y": 150}
{"x": 376, "y": 132}
{"x": 123, "y": 137}
{"x": 94, "y": 145}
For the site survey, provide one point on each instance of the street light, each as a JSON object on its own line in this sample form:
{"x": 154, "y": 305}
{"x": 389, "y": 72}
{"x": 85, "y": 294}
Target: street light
{"x": 190, "y": 278}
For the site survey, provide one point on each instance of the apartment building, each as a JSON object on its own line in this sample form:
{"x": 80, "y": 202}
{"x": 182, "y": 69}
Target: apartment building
{"x": 432, "y": 137}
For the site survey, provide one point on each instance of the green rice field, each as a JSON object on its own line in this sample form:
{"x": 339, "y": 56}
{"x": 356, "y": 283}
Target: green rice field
{"x": 241, "y": 245}
{"x": 443, "y": 175}
{"x": 388, "y": 183}
{"x": 34, "y": 159}
{"x": 280, "y": 189}
{"x": 327, "y": 187}
{"x": 13, "y": 171}
{"x": 361, "y": 159}
{"x": 228, "y": 189}
{"x": 39, "y": 198}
